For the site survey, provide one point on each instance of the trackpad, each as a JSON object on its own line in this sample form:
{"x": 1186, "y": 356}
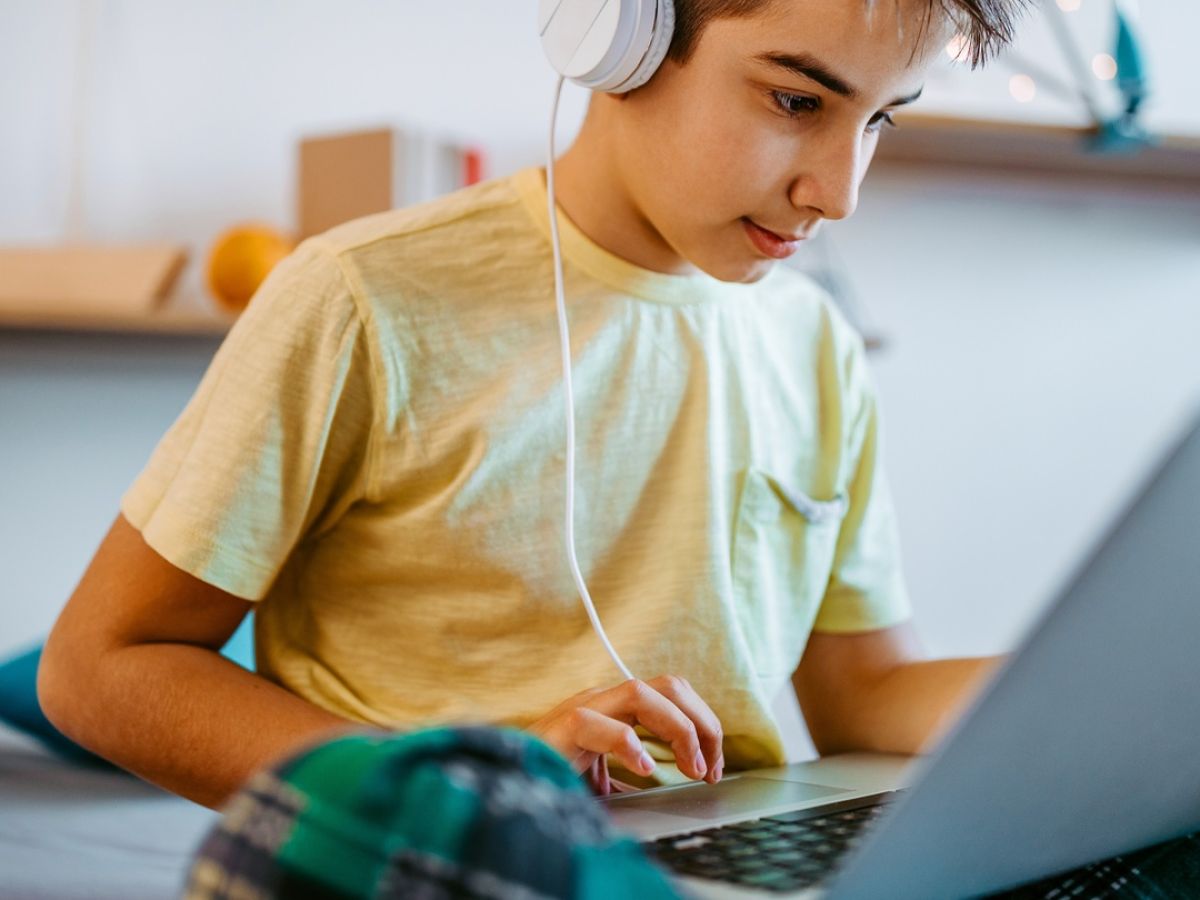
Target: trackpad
{"x": 731, "y": 797}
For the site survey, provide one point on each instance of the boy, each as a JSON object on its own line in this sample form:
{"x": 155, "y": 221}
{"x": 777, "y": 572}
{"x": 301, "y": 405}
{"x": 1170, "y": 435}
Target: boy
{"x": 374, "y": 459}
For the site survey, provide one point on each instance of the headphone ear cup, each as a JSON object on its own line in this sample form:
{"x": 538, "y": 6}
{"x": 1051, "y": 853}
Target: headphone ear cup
{"x": 608, "y": 46}
{"x": 660, "y": 44}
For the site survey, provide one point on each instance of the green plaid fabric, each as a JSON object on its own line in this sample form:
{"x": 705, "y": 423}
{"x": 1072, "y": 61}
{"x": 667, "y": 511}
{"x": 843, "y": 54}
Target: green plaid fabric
{"x": 448, "y": 812}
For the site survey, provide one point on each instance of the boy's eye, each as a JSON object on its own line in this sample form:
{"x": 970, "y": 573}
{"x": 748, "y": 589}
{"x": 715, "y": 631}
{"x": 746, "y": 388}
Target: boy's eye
{"x": 795, "y": 105}
{"x": 879, "y": 120}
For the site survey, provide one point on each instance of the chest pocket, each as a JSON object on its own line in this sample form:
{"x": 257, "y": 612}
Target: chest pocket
{"x": 783, "y": 549}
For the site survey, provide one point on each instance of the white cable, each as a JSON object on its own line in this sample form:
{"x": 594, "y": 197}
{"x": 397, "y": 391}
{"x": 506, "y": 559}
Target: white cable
{"x": 566, "y": 362}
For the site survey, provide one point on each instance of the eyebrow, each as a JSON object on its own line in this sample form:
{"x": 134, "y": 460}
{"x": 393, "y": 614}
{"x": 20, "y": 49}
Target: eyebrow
{"x": 810, "y": 67}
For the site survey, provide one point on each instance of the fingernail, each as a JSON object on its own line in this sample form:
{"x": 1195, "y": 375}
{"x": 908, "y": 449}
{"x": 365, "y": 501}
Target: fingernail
{"x": 647, "y": 762}
{"x": 700, "y": 766}
{"x": 720, "y": 769}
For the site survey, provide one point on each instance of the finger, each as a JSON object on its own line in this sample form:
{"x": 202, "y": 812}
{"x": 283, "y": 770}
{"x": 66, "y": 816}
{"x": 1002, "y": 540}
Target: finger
{"x": 595, "y": 732}
{"x": 636, "y": 701}
{"x": 708, "y": 726}
{"x": 598, "y": 776}
{"x": 555, "y": 728}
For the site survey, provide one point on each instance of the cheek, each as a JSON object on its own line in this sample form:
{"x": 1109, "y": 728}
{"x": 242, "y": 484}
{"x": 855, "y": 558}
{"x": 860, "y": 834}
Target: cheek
{"x": 728, "y": 167}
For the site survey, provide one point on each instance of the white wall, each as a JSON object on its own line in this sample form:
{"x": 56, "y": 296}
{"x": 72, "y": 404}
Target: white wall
{"x": 1043, "y": 332}
{"x": 1045, "y": 345}
{"x": 79, "y": 415}
{"x": 194, "y": 109}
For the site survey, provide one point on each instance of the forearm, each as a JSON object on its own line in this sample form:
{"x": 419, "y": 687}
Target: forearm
{"x": 907, "y": 708}
{"x": 186, "y": 718}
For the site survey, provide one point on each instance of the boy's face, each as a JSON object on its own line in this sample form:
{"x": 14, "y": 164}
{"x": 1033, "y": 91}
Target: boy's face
{"x": 731, "y": 140}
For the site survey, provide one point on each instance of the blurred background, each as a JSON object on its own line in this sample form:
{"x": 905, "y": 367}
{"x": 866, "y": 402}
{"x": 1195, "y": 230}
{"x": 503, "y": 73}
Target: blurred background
{"x": 1037, "y": 307}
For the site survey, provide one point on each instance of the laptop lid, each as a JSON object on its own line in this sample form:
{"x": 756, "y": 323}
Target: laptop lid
{"x": 1087, "y": 743}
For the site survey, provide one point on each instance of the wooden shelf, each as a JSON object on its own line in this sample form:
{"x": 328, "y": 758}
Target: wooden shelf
{"x": 170, "y": 320}
{"x": 1173, "y": 163}
{"x": 996, "y": 144}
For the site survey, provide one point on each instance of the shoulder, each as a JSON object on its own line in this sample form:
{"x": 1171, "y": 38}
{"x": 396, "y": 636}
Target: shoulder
{"x": 305, "y": 290}
{"x": 460, "y": 245}
{"x": 466, "y": 208}
{"x": 342, "y": 266}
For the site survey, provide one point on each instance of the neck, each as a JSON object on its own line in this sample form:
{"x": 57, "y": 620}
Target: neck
{"x": 591, "y": 189}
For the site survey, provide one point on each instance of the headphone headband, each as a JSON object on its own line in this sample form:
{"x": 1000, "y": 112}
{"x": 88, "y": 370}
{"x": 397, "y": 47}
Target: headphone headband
{"x": 612, "y": 46}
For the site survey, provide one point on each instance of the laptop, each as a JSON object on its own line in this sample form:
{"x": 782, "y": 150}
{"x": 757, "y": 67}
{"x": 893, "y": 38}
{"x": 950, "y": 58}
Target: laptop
{"x": 1084, "y": 745}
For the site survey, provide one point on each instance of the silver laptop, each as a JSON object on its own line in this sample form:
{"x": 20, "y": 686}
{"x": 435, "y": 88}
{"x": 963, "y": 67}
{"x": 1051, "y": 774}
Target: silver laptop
{"x": 1085, "y": 745}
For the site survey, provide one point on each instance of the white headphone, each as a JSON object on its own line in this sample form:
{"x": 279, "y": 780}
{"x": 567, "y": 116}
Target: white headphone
{"x": 612, "y": 46}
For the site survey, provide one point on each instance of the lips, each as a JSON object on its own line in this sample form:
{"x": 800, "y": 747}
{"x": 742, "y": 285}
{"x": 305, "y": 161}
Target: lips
{"x": 786, "y": 238}
{"x": 771, "y": 243}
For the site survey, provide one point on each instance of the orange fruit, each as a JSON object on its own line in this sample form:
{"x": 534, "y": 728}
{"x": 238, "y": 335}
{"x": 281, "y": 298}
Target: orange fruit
{"x": 240, "y": 261}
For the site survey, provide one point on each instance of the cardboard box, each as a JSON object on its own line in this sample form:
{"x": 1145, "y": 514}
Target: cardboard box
{"x": 88, "y": 278}
{"x": 346, "y": 176}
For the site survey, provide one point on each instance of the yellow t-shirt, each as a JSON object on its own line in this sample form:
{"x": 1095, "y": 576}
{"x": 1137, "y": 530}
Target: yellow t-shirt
{"x": 376, "y": 455}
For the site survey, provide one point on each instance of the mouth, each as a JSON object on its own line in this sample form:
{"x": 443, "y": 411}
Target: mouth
{"x": 771, "y": 243}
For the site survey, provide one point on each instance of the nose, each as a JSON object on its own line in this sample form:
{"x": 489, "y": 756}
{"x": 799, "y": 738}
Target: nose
{"x": 828, "y": 177}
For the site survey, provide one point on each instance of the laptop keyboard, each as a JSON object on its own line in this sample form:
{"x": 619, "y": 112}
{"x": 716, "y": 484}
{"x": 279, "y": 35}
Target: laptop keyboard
{"x": 785, "y": 852}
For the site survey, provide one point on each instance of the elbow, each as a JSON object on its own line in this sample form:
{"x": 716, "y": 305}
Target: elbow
{"x": 61, "y": 688}
{"x": 51, "y": 695}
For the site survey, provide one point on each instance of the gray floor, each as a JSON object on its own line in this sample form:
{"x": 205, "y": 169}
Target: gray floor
{"x": 67, "y": 831}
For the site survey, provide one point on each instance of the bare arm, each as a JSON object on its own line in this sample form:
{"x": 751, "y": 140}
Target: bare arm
{"x": 874, "y": 692}
{"x": 132, "y": 671}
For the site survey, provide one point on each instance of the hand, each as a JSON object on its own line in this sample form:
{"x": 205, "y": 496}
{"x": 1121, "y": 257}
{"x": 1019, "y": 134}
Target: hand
{"x": 599, "y": 721}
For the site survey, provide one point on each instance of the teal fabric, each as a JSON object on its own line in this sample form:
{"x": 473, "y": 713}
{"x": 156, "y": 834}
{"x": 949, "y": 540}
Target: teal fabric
{"x": 240, "y": 646}
{"x": 19, "y": 704}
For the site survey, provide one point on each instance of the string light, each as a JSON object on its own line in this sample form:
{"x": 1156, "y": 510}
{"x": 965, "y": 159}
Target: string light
{"x": 1023, "y": 88}
{"x": 958, "y": 48}
{"x": 1104, "y": 67}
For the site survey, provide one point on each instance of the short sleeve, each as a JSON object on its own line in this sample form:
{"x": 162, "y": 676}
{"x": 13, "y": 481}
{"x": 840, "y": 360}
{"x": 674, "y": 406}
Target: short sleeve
{"x": 275, "y": 444}
{"x": 866, "y": 590}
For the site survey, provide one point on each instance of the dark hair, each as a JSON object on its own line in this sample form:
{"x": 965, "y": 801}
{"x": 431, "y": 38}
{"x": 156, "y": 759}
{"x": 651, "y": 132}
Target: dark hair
{"x": 986, "y": 25}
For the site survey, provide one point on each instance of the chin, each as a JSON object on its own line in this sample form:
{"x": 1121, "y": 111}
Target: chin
{"x": 744, "y": 271}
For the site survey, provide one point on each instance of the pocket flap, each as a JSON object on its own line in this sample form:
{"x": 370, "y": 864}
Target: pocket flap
{"x": 817, "y": 512}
